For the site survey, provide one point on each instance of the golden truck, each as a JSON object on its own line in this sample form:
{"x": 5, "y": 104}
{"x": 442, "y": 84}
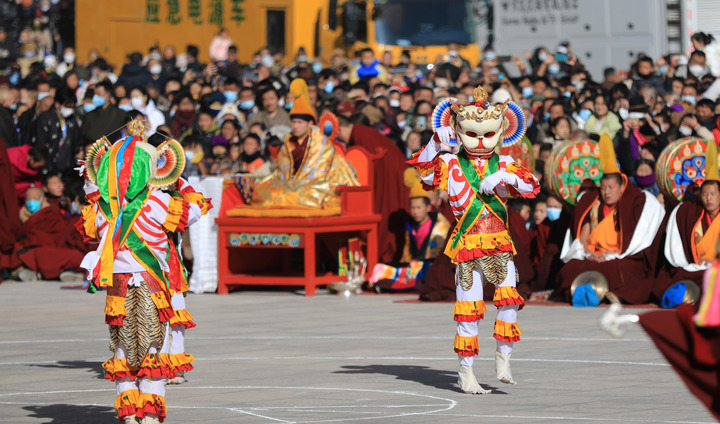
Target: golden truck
{"x": 423, "y": 27}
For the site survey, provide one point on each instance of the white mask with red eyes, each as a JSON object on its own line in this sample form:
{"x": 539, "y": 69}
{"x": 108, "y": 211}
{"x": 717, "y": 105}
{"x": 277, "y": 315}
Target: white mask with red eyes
{"x": 480, "y": 129}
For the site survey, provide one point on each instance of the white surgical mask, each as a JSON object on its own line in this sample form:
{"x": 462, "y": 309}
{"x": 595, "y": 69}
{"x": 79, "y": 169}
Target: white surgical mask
{"x": 137, "y": 103}
{"x": 66, "y": 112}
{"x": 686, "y": 131}
{"x": 624, "y": 113}
{"x": 697, "y": 70}
{"x": 394, "y": 102}
{"x": 69, "y": 57}
{"x": 156, "y": 69}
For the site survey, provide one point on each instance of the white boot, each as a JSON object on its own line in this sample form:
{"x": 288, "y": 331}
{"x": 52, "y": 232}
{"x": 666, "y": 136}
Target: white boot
{"x": 130, "y": 419}
{"x": 468, "y": 383}
{"x": 148, "y": 419}
{"x": 502, "y": 368}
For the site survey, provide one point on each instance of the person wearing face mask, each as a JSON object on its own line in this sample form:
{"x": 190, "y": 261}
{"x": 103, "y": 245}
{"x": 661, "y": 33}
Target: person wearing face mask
{"x": 644, "y": 176}
{"x": 696, "y": 66}
{"x": 106, "y": 119}
{"x": 58, "y": 133}
{"x": 141, "y": 101}
{"x": 68, "y": 64}
{"x": 546, "y": 241}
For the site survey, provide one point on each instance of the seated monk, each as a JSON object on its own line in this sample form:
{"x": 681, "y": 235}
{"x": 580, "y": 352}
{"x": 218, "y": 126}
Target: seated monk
{"x": 308, "y": 168}
{"x": 611, "y": 232}
{"x": 691, "y": 237}
{"x": 425, "y": 235}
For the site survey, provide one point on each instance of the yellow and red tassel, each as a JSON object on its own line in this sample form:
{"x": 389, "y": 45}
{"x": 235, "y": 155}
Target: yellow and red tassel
{"x": 469, "y": 310}
{"x": 466, "y": 346}
{"x": 505, "y": 296}
{"x": 507, "y": 331}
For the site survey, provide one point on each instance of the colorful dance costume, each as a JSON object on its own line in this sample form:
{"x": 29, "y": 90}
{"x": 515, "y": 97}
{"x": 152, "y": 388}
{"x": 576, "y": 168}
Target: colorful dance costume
{"x": 478, "y": 182}
{"x": 137, "y": 266}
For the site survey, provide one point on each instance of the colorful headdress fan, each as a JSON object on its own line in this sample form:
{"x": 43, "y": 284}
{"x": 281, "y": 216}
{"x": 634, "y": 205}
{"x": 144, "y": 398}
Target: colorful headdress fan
{"x": 170, "y": 165}
{"x": 329, "y": 125}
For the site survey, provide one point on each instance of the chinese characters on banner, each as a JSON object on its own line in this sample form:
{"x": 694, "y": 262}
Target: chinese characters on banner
{"x": 197, "y": 11}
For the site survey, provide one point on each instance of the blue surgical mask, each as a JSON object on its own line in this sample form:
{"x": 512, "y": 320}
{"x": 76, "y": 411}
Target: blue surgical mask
{"x": 542, "y": 57}
{"x": 663, "y": 69}
{"x": 288, "y": 106}
{"x": 88, "y": 107}
{"x": 329, "y": 87}
{"x": 125, "y": 106}
{"x": 490, "y": 55}
{"x": 584, "y": 114}
{"x": 32, "y": 205}
{"x": 98, "y": 100}
{"x": 527, "y": 92}
{"x": 689, "y": 99}
{"x": 172, "y": 113}
{"x": 75, "y": 209}
{"x": 230, "y": 96}
{"x": 553, "y": 68}
{"x": 553, "y": 213}
{"x": 317, "y": 67}
{"x": 14, "y": 78}
{"x": 567, "y": 94}
{"x": 546, "y": 117}
{"x": 247, "y": 104}
{"x": 189, "y": 154}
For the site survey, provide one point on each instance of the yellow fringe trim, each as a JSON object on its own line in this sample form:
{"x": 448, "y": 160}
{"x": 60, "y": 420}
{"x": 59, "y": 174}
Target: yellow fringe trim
{"x": 114, "y": 365}
{"x": 127, "y": 398}
{"x": 469, "y": 307}
{"x": 466, "y": 343}
{"x": 181, "y": 315}
{"x": 153, "y": 399}
{"x": 174, "y": 214}
{"x": 199, "y": 200}
{"x": 503, "y": 293}
{"x": 507, "y": 330}
{"x": 89, "y": 215}
{"x": 175, "y": 360}
{"x": 479, "y": 241}
{"x": 115, "y": 306}
{"x": 160, "y": 300}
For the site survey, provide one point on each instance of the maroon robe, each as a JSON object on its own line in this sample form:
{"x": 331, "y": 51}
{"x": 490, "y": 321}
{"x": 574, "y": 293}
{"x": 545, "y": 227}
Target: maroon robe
{"x": 521, "y": 239}
{"x": 632, "y": 279}
{"x": 687, "y": 217}
{"x": 549, "y": 263}
{"x": 48, "y": 243}
{"x": 694, "y": 352}
{"x": 9, "y": 211}
{"x": 391, "y": 195}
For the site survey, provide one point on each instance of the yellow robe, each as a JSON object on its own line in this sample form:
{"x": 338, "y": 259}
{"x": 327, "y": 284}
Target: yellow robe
{"x": 705, "y": 244}
{"x": 314, "y": 186}
{"x": 603, "y": 236}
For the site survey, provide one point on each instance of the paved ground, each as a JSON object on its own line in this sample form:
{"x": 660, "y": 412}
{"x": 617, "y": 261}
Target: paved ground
{"x": 279, "y": 357}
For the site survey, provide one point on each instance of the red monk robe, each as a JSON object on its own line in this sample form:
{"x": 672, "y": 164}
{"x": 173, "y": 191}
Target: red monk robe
{"x": 22, "y": 173}
{"x": 522, "y": 241}
{"x": 48, "y": 243}
{"x": 545, "y": 249}
{"x": 9, "y": 211}
{"x": 631, "y": 273}
{"x": 390, "y": 191}
{"x": 689, "y": 245}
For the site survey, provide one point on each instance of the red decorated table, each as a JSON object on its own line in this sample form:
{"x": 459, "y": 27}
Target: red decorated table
{"x": 284, "y": 251}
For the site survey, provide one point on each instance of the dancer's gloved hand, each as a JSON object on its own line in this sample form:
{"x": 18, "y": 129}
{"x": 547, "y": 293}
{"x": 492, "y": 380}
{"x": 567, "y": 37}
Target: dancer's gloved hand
{"x": 444, "y": 135}
{"x": 491, "y": 181}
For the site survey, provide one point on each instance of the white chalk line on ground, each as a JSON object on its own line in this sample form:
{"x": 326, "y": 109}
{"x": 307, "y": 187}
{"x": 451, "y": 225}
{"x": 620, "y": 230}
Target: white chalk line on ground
{"x": 525, "y": 338}
{"x": 375, "y": 358}
{"x": 437, "y": 413}
{"x": 448, "y": 405}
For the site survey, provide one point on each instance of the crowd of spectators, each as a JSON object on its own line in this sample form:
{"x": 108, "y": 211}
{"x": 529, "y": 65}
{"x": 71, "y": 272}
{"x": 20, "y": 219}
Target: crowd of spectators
{"x": 232, "y": 117}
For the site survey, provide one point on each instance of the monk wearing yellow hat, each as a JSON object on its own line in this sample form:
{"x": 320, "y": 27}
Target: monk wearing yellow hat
{"x": 309, "y": 169}
{"x": 692, "y": 233}
{"x": 612, "y": 232}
